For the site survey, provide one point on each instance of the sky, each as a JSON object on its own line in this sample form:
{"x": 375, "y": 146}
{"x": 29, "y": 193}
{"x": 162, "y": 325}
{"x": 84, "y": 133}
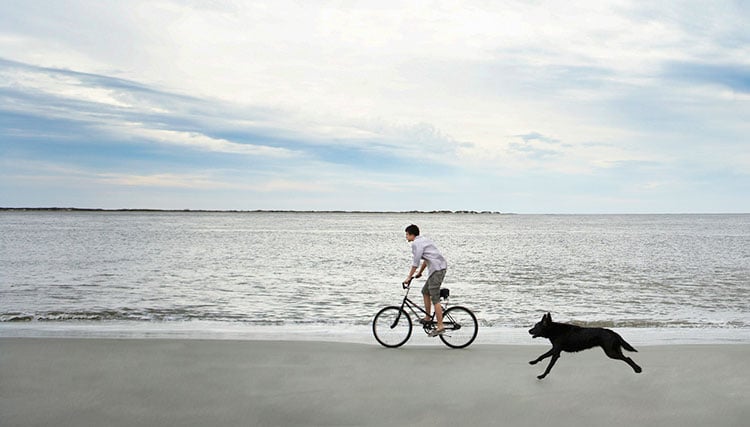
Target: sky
{"x": 508, "y": 106}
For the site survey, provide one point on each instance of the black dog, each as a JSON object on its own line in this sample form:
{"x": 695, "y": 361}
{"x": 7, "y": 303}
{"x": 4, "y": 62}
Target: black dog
{"x": 573, "y": 338}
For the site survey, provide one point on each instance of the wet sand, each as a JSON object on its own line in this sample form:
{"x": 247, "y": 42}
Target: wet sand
{"x": 182, "y": 382}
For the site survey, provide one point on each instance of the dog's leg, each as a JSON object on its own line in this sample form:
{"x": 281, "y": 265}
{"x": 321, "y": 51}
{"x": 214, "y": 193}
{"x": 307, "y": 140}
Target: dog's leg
{"x": 616, "y": 353}
{"x": 633, "y": 365}
{"x": 555, "y": 356}
{"x": 630, "y": 362}
{"x": 542, "y": 357}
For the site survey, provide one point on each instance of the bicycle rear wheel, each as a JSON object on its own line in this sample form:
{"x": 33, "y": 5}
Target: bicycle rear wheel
{"x": 392, "y": 327}
{"x": 461, "y": 327}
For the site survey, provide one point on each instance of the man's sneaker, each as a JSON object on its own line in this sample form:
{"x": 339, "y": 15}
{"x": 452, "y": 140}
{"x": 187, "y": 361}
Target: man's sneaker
{"x": 437, "y": 332}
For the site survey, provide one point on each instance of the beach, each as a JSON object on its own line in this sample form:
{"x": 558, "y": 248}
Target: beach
{"x": 188, "y": 382}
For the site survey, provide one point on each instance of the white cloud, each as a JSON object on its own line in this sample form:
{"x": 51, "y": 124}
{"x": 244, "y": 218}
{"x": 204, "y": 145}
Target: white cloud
{"x": 161, "y": 180}
{"x": 206, "y": 182}
{"x": 197, "y": 140}
{"x": 340, "y": 65}
{"x": 60, "y": 85}
{"x": 447, "y": 83}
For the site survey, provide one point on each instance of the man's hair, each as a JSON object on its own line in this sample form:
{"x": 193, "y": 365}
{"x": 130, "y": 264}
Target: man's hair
{"x": 413, "y": 230}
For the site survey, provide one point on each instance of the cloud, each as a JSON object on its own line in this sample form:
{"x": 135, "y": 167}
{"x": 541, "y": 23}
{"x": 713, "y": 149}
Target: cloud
{"x": 377, "y": 95}
{"x": 196, "y": 140}
{"x": 124, "y": 109}
{"x": 61, "y": 85}
{"x": 206, "y": 182}
{"x": 536, "y": 146}
{"x": 110, "y": 104}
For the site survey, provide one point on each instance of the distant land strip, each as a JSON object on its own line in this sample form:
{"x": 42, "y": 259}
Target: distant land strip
{"x": 58, "y": 209}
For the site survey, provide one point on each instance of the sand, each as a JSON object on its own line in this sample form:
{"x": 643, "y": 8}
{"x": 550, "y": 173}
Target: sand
{"x": 165, "y": 382}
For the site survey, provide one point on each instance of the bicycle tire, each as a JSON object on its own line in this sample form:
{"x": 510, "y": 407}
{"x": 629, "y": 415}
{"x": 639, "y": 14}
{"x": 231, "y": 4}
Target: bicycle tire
{"x": 461, "y": 327}
{"x": 392, "y": 327}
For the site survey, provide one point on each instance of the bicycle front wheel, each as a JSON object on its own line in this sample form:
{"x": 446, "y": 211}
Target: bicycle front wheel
{"x": 392, "y": 327}
{"x": 461, "y": 327}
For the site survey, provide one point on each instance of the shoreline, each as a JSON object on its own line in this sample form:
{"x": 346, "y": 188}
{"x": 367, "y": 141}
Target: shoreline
{"x": 361, "y": 334}
{"x": 185, "y": 382}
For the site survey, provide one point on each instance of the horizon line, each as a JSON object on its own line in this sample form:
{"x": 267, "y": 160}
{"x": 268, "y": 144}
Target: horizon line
{"x": 440, "y": 211}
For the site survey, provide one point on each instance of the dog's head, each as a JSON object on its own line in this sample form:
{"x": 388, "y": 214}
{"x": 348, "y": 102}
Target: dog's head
{"x": 541, "y": 328}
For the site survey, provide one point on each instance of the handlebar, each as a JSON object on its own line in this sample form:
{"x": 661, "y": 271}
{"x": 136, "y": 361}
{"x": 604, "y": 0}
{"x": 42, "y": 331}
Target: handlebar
{"x": 406, "y": 285}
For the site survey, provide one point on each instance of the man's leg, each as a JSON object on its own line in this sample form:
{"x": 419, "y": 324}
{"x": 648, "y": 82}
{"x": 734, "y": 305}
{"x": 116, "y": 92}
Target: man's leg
{"x": 436, "y": 280}
{"x": 428, "y": 306}
{"x": 439, "y": 315}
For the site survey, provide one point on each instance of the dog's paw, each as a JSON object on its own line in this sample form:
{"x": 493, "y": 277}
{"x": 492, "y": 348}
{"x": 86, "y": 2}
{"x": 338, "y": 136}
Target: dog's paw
{"x": 533, "y": 362}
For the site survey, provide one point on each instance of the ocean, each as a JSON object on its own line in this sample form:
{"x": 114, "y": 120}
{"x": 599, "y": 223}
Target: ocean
{"x": 681, "y": 278}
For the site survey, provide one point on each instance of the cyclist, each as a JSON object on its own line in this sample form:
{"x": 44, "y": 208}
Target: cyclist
{"x": 424, "y": 249}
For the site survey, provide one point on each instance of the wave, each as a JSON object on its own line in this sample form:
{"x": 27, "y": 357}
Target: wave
{"x": 183, "y": 315}
{"x": 111, "y": 315}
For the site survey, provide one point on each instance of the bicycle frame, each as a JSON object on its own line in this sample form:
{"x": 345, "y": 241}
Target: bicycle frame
{"x": 413, "y": 307}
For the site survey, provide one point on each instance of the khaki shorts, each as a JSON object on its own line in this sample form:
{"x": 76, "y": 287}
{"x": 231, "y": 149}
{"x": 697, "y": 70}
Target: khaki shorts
{"x": 432, "y": 285}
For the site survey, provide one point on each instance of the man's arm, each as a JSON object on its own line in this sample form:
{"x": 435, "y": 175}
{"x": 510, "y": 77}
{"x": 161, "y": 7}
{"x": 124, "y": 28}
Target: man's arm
{"x": 413, "y": 270}
{"x": 411, "y": 273}
{"x": 421, "y": 269}
{"x": 416, "y": 251}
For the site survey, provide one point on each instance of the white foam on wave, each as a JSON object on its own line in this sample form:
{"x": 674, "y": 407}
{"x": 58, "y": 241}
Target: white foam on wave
{"x": 361, "y": 334}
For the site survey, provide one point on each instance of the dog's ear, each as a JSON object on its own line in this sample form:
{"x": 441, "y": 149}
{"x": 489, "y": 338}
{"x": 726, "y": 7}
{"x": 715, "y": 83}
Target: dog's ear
{"x": 547, "y": 318}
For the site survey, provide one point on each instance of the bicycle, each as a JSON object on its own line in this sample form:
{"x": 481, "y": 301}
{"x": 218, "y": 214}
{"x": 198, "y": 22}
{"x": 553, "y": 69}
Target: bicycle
{"x": 392, "y": 326}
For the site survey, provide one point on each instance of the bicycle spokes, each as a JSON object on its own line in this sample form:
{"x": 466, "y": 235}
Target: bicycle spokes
{"x": 396, "y": 320}
{"x": 391, "y": 326}
{"x": 461, "y": 326}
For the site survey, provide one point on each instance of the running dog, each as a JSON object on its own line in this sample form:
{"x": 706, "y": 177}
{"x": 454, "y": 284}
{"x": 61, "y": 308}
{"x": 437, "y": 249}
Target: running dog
{"x": 572, "y": 338}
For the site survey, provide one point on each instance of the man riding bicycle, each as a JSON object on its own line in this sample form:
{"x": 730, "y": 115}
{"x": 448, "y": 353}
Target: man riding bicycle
{"x": 424, "y": 249}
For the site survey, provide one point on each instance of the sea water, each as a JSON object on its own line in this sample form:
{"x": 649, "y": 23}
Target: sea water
{"x": 324, "y": 275}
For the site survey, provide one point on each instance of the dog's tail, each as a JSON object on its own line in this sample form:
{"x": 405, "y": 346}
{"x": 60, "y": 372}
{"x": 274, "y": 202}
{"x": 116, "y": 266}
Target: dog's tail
{"x": 625, "y": 345}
